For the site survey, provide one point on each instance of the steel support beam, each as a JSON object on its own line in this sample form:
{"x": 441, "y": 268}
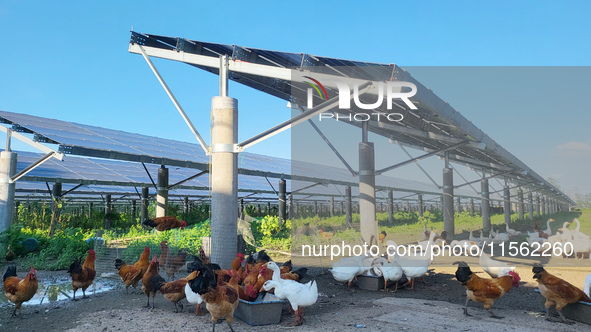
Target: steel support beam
{"x": 348, "y": 207}
{"x": 420, "y": 202}
{"x": 448, "y": 202}
{"x": 521, "y": 204}
{"x": 145, "y": 203}
{"x": 427, "y": 155}
{"x": 282, "y": 213}
{"x": 472, "y": 210}
{"x": 108, "y": 209}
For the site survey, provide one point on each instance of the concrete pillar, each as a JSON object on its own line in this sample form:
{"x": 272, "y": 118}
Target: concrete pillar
{"x": 7, "y": 170}
{"x": 521, "y": 205}
{"x": 145, "y": 203}
{"x": 458, "y": 205}
{"x": 407, "y": 206}
{"x": 485, "y": 205}
{"x": 224, "y": 180}
{"x": 348, "y": 206}
{"x": 390, "y": 207}
{"x": 291, "y": 215}
{"x": 544, "y": 211}
{"x": 282, "y": 213}
{"x": 108, "y": 208}
{"x": 421, "y": 205}
{"x": 507, "y": 205}
{"x": 56, "y": 207}
{"x": 367, "y": 194}
{"x": 448, "y": 202}
{"x": 530, "y": 205}
{"x": 162, "y": 192}
{"x": 472, "y": 206}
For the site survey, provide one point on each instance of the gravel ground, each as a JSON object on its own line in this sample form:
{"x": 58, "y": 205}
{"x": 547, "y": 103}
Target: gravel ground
{"x": 435, "y": 305}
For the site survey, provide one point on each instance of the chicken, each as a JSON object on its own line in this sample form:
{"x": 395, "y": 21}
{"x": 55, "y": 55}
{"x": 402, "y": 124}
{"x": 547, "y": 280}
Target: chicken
{"x": 164, "y": 253}
{"x": 83, "y": 275}
{"x": 251, "y": 276}
{"x": 174, "y": 265}
{"x": 298, "y": 295}
{"x": 558, "y": 292}
{"x": 194, "y": 284}
{"x": 132, "y": 274}
{"x": 493, "y": 267}
{"x": 10, "y": 256}
{"x": 325, "y": 235}
{"x": 19, "y": 290}
{"x": 262, "y": 257}
{"x": 382, "y": 236}
{"x": 237, "y": 263}
{"x": 203, "y": 257}
{"x": 286, "y": 267}
{"x": 220, "y": 301}
{"x": 174, "y": 291}
{"x": 485, "y": 291}
{"x": 152, "y": 281}
{"x": 295, "y": 275}
{"x": 165, "y": 223}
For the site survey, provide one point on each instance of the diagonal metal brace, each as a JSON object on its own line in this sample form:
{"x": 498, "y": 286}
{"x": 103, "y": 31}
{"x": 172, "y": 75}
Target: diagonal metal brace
{"x": 31, "y": 167}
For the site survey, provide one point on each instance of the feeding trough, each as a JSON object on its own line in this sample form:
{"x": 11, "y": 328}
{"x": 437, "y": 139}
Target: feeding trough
{"x": 260, "y": 312}
{"x": 580, "y": 311}
{"x": 372, "y": 283}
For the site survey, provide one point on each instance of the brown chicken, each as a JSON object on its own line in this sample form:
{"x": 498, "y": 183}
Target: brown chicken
{"x": 286, "y": 267}
{"x": 132, "y": 274}
{"x": 382, "y": 236}
{"x": 485, "y": 291}
{"x": 152, "y": 281}
{"x": 164, "y": 252}
{"x": 221, "y": 302}
{"x": 237, "y": 262}
{"x": 165, "y": 223}
{"x": 558, "y": 292}
{"x": 19, "y": 290}
{"x": 326, "y": 235}
{"x": 174, "y": 264}
{"x": 174, "y": 291}
{"x": 83, "y": 275}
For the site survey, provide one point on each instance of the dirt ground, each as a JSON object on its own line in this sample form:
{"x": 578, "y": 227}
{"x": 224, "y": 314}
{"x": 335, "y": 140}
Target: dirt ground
{"x": 435, "y": 305}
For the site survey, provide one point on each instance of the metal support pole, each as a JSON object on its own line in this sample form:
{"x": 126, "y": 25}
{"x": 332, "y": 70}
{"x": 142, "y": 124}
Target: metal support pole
{"x": 108, "y": 208}
{"x": 162, "y": 192}
{"x": 485, "y": 205}
{"x": 507, "y": 204}
{"x": 544, "y": 211}
{"x": 282, "y": 202}
{"x": 224, "y": 179}
{"x": 7, "y": 189}
{"x": 349, "y": 207}
{"x": 144, "y": 209}
{"x": 133, "y": 209}
{"x": 390, "y": 207}
{"x": 521, "y": 204}
{"x": 448, "y": 202}
{"x": 407, "y": 206}
{"x": 538, "y": 206}
{"x": 316, "y": 208}
{"x": 331, "y": 206}
{"x": 458, "y": 204}
{"x": 90, "y": 207}
{"x": 56, "y": 195}
{"x": 472, "y": 206}
{"x": 420, "y": 205}
{"x": 291, "y": 215}
{"x": 186, "y": 206}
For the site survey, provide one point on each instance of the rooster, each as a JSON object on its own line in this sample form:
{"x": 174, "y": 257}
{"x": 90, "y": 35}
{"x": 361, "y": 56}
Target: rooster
{"x": 485, "y": 291}
{"x": 19, "y": 290}
{"x": 237, "y": 263}
{"x": 83, "y": 275}
{"x": 152, "y": 281}
{"x": 132, "y": 274}
{"x": 165, "y": 223}
{"x": 174, "y": 291}
{"x": 558, "y": 292}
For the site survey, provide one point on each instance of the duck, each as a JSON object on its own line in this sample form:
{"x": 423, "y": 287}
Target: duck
{"x": 472, "y": 238}
{"x": 512, "y": 232}
{"x": 391, "y": 271}
{"x": 416, "y": 266}
{"x": 578, "y": 234}
{"x": 349, "y": 268}
{"x": 499, "y": 237}
{"x": 566, "y": 233}
{"x": 298, "y": 295}
{"x": 493, "y": 267}
{"x": 462, "y": 244}
{"x": 548, "y": 229}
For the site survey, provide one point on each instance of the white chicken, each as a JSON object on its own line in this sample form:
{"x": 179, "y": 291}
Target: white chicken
{"x": 493, "y": 267}
{"x": 298, "y": 295}
{"x": 193, "y": 298}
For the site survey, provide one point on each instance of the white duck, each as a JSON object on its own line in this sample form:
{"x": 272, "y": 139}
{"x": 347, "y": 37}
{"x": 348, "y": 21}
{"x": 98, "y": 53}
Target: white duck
{"x": 391, "y": 272}
{"x": 548, "y": 229}
{"x": 567, "y": 234}
{"x": 348, "y": 268}
{"x": 298, "y": 295}
{"x": 499, "y": 237}
{"x": 425, "y": 244}
{"x": 485, "y": 240}
{"x": 512, "y": 232}
{"x": 493, "y": 267}
{"x": 578, "y": 234}
{"x": 473, "y": 239}
{"x": 464, "y": 244}
{"x": 416, "y": 266}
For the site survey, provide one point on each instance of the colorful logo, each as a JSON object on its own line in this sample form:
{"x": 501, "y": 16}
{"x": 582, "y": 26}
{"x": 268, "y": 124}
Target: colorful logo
{"x": 325, "y": 96}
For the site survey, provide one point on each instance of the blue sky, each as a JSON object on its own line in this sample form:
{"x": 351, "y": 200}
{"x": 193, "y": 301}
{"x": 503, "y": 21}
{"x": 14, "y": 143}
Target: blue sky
{"x": 69, "y": 60}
